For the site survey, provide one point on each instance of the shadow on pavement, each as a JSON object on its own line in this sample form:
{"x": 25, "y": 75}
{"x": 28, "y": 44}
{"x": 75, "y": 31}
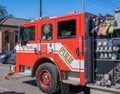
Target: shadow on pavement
{"x": 30, "y": 82}
{"x": 79, "y": 90}
{"x": 12, "y": 92}
{"x": 73, "y": 89}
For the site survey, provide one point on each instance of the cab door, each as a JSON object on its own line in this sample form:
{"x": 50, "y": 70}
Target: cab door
{"x": 69, "y": 43}
{"x": 25, "y": 55}
{"x": 46, "y": 38}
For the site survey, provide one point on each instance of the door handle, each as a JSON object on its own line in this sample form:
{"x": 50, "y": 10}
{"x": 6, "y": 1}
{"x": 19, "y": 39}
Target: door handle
{"x": 81, "y": 44}
{"x": 77, "y": 51}
{"x": 35, "y": 50}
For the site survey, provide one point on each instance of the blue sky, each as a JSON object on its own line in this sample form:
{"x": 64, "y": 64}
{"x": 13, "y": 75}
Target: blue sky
{"x": 29, "y": 9}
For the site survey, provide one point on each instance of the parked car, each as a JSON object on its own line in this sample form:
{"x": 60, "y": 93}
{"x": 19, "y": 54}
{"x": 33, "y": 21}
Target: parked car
{"x": 12, "y": 58}
{"x": 5, "y": 58}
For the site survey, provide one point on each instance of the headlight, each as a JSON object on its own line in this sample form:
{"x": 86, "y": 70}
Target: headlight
{"x": 2, "y": 56}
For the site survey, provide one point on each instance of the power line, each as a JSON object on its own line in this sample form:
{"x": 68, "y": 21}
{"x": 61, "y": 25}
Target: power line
{"x": 102, "y": 4}
{"x": 112, "y": 2}
{"x": 97, "y": 6}
{"x": 111, "y": 5}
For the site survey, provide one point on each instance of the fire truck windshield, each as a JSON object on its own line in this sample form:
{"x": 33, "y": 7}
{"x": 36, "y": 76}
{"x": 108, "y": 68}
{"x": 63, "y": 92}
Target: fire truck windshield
{"x": 27, "y": 34}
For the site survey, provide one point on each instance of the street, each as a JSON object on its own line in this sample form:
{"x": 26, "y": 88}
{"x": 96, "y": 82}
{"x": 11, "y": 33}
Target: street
{"x": 17, "y": 84}
{"x": 22, "y": 83}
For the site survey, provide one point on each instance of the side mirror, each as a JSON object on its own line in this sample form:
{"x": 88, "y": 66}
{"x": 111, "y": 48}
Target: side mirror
{"x": 19, "y": 41}
{"x": 22, "y": 42}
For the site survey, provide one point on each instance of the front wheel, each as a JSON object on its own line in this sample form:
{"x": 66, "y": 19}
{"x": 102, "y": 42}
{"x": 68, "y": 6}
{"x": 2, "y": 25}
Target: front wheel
{"x": 47, "y": 78}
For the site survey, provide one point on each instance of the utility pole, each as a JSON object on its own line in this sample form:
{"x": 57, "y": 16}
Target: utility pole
{"x": 40, "y": 8}
{"x": 83, "y": 5}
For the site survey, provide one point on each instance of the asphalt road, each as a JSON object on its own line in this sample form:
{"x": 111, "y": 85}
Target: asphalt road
{"x": 22, "y": 83}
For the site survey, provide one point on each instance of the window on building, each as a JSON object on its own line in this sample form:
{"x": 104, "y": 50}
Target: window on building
{"x": 67, "y": 29}
{"x": 28, "y": 33}
{"x": 46, "y": 32}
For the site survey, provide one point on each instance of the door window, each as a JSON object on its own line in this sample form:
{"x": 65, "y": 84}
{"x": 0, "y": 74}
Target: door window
{"x": 46, "y": 32}
{"x": 67, "y": 29}
{"x": 28, "y": 33}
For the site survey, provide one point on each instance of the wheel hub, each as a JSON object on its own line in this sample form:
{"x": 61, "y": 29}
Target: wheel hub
{"x": 45, "y": 78}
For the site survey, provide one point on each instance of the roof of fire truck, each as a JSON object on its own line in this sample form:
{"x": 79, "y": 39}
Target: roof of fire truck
{"x": 53, "y": 18}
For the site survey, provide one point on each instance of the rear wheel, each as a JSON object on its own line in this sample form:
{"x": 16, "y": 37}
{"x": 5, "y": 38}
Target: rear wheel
{"x": 47, "y": 78}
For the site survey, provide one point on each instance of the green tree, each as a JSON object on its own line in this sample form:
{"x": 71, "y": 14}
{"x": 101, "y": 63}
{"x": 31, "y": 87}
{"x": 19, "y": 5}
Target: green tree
{"x": 3, "y": 11}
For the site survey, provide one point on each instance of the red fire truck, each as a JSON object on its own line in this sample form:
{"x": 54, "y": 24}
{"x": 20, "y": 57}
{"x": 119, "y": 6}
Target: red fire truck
{"x": 78, "y": 49}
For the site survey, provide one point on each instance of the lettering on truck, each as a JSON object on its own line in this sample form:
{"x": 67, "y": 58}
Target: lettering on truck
{"x": 66, "y": 55}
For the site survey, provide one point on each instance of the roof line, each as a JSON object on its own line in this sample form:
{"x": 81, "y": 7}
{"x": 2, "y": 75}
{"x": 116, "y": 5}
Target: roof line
{"x": 4, "y": 20}
{"x": 9, "y": 26}
{"x": 7, "y": 17}
{"x": 18, "y": 18}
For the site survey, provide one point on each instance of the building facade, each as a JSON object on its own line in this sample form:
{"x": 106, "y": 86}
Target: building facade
{"x": 9, "y": 33}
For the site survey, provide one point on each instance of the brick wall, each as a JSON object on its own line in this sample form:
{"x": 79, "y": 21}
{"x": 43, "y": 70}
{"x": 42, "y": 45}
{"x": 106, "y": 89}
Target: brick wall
{"x": 3, "y": 42}
{"x": 11, "y": 39}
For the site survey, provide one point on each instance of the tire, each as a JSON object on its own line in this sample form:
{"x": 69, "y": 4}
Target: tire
{"x": 47, "y": 78}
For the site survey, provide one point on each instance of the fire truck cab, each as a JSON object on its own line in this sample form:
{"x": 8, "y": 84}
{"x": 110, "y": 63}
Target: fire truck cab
{"x": 68, "y": 49}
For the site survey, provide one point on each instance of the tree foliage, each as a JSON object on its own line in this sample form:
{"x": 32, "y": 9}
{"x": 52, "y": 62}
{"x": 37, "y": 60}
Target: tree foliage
{"x": 3, "y": 11}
